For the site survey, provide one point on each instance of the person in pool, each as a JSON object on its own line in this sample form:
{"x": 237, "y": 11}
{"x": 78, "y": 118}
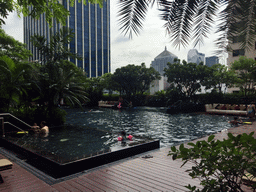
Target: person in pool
{"x": 123, "y": 137}
{"x": 235, "y": 121}
{"x": 35, "y": 128}
{"x": 44, "y": 129}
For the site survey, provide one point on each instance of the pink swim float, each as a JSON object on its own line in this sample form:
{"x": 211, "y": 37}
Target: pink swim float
{"x": 120, "y": 138}
{"x": 130, "y": 137}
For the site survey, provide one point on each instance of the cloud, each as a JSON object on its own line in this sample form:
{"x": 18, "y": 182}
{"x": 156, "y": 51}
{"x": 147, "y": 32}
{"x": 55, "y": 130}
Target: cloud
{"x": 143, "y": 48}
{"x": 120, "y": 39}
{"x": 14, "y": 26}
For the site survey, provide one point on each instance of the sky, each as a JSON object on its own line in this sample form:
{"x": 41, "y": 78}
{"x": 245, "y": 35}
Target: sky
{"x": 140, "y": 49}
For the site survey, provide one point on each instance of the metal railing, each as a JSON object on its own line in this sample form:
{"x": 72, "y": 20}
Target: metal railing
{"x": 3, "y": 122}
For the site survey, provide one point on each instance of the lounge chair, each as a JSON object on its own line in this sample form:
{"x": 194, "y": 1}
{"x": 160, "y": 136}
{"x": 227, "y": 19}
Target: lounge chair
{"x": 4, "y": 164}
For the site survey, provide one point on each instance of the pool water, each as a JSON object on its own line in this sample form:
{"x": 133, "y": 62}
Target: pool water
{"x": 95, "y": 131}
{"x": 72, "y": 143}
{"x": 150, "y": 122}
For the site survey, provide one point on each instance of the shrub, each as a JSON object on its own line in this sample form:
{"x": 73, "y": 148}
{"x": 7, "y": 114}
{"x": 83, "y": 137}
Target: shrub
{"x": 220, "y": 165}
{"x": 32, "y": 115}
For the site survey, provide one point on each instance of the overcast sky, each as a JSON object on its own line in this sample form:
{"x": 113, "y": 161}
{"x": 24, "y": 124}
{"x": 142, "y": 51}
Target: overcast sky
{"x": 143, "y": 48}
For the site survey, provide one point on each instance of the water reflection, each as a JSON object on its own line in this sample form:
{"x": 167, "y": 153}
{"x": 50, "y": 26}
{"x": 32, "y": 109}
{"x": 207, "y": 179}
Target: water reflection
{"x": 150, "y": 122}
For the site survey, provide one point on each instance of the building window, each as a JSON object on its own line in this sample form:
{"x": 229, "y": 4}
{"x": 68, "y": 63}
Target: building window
{"x": 238, "y": 52}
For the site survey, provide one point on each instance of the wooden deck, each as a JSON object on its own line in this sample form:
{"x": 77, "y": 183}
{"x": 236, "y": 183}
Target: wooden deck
{"x": 157, "y": 173}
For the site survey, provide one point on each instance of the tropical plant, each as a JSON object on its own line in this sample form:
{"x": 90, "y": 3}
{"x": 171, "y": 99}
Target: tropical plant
{"x": 12, "y": 48}
{"x": 146, "y": 77}
{"x": 220, "y": 165}
{"x": 13, "y": 81}
{"x": 133, "y": 79}
{"x": 56, "y": 50}
{"x": 51, "y": 8}
{"x": 219, "y": 77}
{"x": 194, "y": 19}
{"x": 58, "y": 78}
{"x": 245, "y": 69}
{"x": 186, "y": 77}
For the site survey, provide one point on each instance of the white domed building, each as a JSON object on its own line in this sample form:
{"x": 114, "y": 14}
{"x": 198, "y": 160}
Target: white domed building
{"x": 159, "y": 64}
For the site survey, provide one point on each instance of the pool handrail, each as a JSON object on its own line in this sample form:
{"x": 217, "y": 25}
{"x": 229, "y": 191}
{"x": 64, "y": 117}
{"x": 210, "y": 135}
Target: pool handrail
{"x": 9, "y": 114}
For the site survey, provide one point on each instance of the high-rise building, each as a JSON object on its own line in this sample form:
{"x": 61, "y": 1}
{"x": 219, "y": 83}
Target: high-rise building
{"x": 160, "y": 62}
{"x": 210, "y": 61}
{"x": 91, "y": 26}
{"x": 238, "y": 51}
{"x": 195, "y": 57}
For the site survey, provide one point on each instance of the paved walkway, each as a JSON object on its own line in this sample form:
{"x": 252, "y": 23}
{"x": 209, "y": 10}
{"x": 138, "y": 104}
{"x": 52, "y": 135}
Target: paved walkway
{"x": 152, "y": 171}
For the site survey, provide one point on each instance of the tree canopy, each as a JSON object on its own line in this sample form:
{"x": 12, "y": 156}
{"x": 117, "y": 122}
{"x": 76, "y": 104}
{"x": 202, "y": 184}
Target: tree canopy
{"x": 13, "y": 48}
{"x": 57, "y": 76}
{"x": 51, "y": 8}
{"x": 219, "y": 76}
{"x": 133, "y": 79}
{"x": 194, "y": 19}
{"x": 246, "y": 70}
{"x": 186, "y": 77}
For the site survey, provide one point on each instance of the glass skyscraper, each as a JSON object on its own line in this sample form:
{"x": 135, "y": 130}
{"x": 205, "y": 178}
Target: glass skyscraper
{"x": 91, "y": 25}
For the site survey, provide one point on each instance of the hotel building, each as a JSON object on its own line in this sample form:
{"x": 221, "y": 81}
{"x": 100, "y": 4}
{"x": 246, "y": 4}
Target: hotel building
{"x": 236, "y": 52}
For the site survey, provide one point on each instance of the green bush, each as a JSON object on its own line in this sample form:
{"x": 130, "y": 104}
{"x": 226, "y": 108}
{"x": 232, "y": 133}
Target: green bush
{"x": 57, "y": 117}
{"x": 220, "y": 165}
{"x": 32, "y": 115}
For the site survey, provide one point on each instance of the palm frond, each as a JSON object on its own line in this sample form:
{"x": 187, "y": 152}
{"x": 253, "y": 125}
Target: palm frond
{"x": 204, "y": 20}
{"x": 178, "y": 15}
{"x": 247, "y": 23}
{"x": 132, "y": 13}
{"x": 238, "y": 20}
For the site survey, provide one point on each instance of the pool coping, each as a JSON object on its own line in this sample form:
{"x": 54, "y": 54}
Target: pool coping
{"x": 57, "y": 170}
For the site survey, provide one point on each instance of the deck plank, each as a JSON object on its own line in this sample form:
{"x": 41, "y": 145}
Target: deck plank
{"x": 60, "y": 187}
{"x": 87, "y": 185}
{"x": 150, "y": 180}
{"x": 78, "y": 186}
{"x": 95, "y": 183}
{"x": 127, "y": 184}
{"x": 102, "y": 181}
{"x": 120, "y": 185}
{"x": 149, "y": 169}
{"x": 131, "y": 180}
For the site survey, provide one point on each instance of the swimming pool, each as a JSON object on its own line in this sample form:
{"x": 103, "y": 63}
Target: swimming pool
{"x": 150, "y": 122}
{"x": 90, "y": 138}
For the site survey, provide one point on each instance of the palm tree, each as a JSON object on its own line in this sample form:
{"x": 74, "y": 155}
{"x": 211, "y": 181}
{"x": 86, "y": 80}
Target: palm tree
{"x": 193, "y": 19}
{"x": 58, "y": 78}
{"x": 13, "y": 83}
{"x": 63, "y": 86}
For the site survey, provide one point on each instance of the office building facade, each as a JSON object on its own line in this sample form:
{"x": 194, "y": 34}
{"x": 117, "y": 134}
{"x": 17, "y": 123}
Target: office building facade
{"x": 160, "y": 62}
{"x": 236, "y": 52}
{"x": 91, "y": 26}
{"x": 195, "y": 57}
{"x": 210, "y": 61}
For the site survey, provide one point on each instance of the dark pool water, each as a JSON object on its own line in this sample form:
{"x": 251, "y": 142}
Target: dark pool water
{"x": 93, "y": 131}
{"x": 150, "y": 122}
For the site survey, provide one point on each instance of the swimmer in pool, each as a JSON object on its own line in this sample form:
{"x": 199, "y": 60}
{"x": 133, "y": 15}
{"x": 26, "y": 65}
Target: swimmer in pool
{"x": 122, "y": 136}
{"x": 44, "y": 129}
{"x": 35, "y": 128}
{"x": 236, "y": 122}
